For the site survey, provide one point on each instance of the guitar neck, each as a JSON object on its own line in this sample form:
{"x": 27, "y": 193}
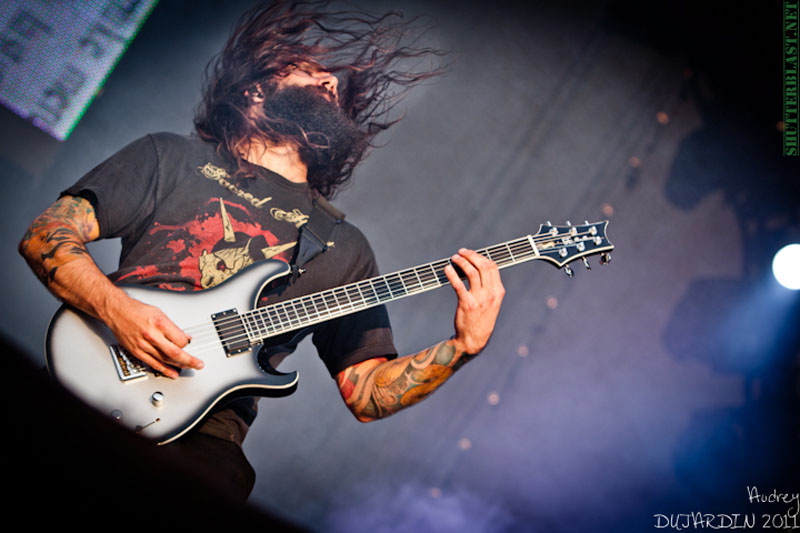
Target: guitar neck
{"x": 304, "y": 311}
{"x": 557, "y": 244}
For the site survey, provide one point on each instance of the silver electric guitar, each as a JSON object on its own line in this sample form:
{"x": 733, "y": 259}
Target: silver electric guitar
{"x": 227, "y": 329}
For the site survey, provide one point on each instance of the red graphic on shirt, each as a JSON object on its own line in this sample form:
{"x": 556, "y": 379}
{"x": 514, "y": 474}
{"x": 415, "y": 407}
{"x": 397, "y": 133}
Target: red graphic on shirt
{"x": 219, "y": 242}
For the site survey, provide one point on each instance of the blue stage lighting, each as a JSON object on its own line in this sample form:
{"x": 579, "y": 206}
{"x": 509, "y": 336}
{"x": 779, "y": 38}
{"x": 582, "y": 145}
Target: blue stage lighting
{"x": 786, "y": 266}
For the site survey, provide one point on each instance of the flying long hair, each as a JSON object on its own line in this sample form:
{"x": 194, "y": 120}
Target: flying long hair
{"x": 377, "y": 58}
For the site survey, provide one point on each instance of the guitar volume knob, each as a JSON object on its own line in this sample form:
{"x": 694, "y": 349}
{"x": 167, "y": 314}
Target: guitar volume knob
{"x": 157, "y": 399}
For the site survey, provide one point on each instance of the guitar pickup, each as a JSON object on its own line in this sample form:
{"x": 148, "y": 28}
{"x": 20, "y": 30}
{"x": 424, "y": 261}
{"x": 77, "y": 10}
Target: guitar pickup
{"x": 231, "y": 331}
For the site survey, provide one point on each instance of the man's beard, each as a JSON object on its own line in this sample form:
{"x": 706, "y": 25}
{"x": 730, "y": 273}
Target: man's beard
{"x": 324, "y": 134}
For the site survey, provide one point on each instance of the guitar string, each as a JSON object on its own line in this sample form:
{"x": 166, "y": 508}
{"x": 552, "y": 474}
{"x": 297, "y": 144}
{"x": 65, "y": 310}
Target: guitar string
{"x": 295, "y": 309}
{"x": 289, "y": 314}
{"x": 287, "y": 322}
{"x": 291, "y": 318}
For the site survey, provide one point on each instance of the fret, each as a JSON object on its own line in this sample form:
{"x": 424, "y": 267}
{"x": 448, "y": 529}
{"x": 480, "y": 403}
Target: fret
{"x": 321, "y": 305}
{"x": 275, "y": 317}
{"x": 388, "y": 288}
{"x": 259, "y": 327}
{"x": 307, "y": 312}
{"x": 286, "y": 315}
{"x": 374, "y": 291}
{"x": 248, "y": 328}
{"x": 533, "y": 246}
{"x": 421, "y": 278}
{"x": 434, "y": 277}
{"x": 510, "y": 253}
{"x": 502, "y": 255}
{"x": 395, "y": 283}
{"x": 373, "y": 299}
{"x": 424, "y": 276}
{"x": 435, "y": 274}
{"x": 440, "y": 275}
{"x": 354, "y": 294}
{"x": 298, "y": 314}
{"x": 347, "y": 295}
{"x": 409, "y": 282}
{"x": 266, "y": 316}
{"x": 341, "y": 300}
{"x": 403, "y": 283}
{"x": 331, "y": 302}
{"x": 283, "y": 316}
{"x": 361, "y": 294}
{"x": 314, "y": 304}
{"x": 266, "y": 323}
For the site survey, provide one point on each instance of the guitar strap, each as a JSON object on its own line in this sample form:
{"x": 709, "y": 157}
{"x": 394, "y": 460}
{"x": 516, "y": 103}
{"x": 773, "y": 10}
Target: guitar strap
{"x": 315, "y": 237}
{"x": 316, "y": 234}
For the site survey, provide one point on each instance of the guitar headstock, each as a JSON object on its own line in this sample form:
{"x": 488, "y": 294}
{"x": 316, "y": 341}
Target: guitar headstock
{"x": 563, "y": 244}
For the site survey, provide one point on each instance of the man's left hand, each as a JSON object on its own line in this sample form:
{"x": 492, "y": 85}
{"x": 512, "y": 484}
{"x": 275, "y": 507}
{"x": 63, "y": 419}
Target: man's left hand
{"x": 478, "y": 304}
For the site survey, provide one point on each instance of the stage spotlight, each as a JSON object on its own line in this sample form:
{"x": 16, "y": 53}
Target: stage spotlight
{"x": 786, "y": 266}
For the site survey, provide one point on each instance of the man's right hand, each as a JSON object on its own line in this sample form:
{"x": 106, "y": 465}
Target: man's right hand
{"x": 149, "y": 335}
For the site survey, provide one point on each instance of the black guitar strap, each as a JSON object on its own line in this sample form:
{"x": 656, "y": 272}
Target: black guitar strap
{"x": 316, "y": 234}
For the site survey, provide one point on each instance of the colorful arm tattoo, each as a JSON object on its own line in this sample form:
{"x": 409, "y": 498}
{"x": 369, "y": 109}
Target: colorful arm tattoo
{"x": 379, "y": 389}
{"x": 58, "y": 236}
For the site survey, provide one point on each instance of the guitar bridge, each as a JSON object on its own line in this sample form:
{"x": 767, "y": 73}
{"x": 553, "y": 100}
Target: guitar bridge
{"x": 128, "y": 367}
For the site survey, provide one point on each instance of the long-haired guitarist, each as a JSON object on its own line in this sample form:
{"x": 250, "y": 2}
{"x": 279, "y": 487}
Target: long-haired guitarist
{"x": 291, "y": 106}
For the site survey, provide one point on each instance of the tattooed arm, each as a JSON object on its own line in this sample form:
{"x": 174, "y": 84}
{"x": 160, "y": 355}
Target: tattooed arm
{"x": 55, "y": 249}
{"x": 377, "y": 388}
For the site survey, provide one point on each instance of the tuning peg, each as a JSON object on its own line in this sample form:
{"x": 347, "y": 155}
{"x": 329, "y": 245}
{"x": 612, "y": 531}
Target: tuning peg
{"x": 569, "y": 271}
{"x": 605, "y": 258}
{"x": 586, "y": 264}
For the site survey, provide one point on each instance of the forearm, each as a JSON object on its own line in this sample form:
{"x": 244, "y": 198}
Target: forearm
{"x": 379, "y": 388}
{"x": 82, "y": 285}
{"x": 55, "y": 249}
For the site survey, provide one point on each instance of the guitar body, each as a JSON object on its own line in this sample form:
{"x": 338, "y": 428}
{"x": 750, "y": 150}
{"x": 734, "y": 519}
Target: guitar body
{"x": 81, "y": 354}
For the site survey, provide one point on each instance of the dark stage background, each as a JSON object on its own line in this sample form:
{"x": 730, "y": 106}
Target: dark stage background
{"x": 664, "y": 383}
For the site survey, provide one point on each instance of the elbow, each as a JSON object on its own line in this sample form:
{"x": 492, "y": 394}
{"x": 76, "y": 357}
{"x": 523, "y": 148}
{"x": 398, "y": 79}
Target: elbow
{"x": 27, "y": 244}
{"x": 363, "y": 417}
{"x": 24, "y": 247}
{"x": 369, "y": 413}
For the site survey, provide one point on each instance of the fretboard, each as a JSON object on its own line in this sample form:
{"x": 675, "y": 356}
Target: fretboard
{"x": 298, "y": 313}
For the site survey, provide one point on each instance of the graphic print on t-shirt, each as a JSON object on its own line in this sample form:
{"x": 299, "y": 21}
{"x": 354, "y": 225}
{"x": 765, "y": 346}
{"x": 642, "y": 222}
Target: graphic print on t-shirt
{"x": 222, "y": 239}
{"x": 295, "y": 216}
{"x": 230, "y": 255}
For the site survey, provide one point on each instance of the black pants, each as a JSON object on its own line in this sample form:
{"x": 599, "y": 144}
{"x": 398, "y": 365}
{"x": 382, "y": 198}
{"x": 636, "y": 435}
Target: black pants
{"x": 220, "y": 461}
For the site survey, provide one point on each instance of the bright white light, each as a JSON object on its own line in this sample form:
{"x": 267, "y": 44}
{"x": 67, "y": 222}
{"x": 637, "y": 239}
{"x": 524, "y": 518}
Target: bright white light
{"x": 786, "y": 266}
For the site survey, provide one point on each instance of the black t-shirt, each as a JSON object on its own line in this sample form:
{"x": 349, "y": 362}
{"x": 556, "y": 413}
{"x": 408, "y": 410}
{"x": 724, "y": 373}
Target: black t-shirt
{"x": 187, "y": 224}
